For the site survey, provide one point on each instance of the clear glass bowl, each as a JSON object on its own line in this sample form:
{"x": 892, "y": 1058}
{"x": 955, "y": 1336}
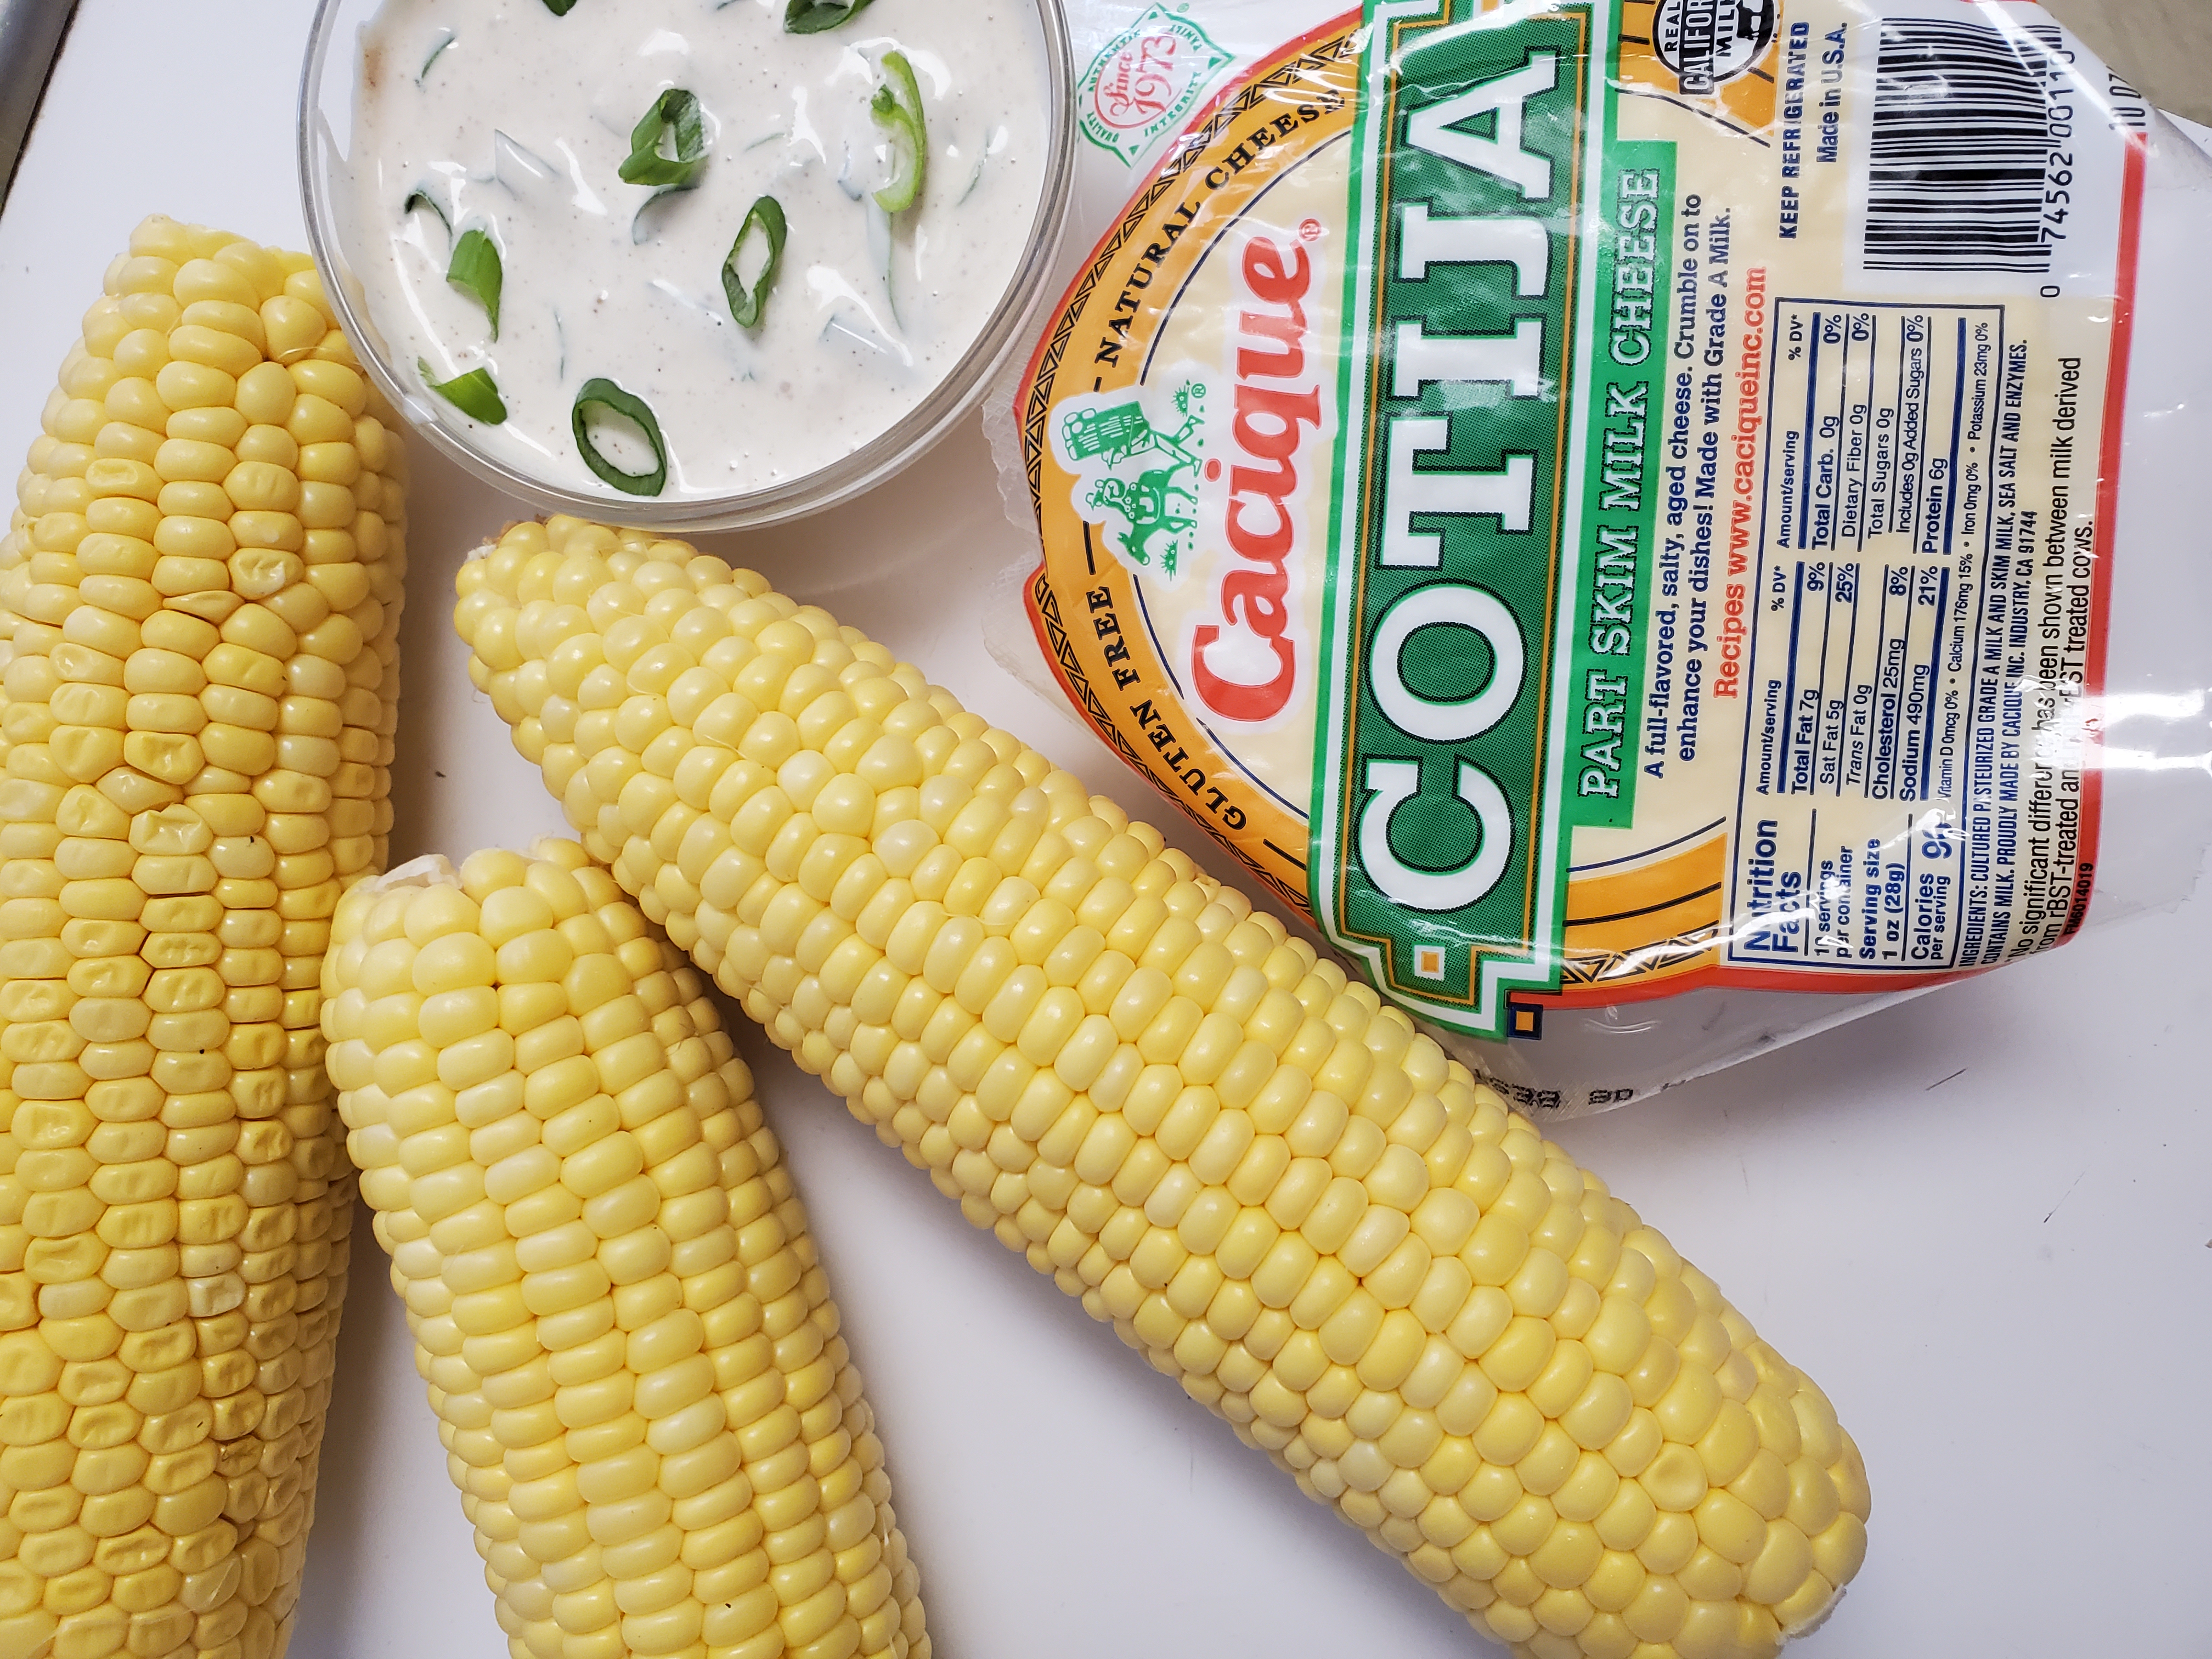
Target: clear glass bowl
{"x": 326, "y": 94}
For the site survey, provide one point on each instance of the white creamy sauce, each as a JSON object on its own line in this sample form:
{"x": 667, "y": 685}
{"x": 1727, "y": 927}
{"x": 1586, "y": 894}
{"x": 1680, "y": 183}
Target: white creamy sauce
{"x": 516, "y": 122}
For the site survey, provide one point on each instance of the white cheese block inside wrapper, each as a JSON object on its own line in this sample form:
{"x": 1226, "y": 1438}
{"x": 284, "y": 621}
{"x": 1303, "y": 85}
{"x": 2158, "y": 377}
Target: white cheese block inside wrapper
{"x": 1660, "y": 529}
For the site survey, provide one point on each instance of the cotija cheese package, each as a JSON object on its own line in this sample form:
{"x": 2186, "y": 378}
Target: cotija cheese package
{"x": 1656, "y": 527}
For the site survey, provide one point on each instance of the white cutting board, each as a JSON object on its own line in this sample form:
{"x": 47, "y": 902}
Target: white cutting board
{"x": 1980, "y": 1220}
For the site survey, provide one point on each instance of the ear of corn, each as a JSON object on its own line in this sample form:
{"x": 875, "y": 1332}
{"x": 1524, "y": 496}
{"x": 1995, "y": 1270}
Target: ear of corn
{"x": 1272, "y": 1186}
{"x": 631, "y": 1349}
{"x": 201, "y": 592}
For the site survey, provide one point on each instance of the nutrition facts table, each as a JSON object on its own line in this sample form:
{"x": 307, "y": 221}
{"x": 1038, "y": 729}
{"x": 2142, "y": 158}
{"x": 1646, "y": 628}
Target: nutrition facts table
{"x": 1867, "y": 618}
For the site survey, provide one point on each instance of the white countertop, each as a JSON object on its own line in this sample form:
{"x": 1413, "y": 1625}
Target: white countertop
{"x": 1980, "y": 1220}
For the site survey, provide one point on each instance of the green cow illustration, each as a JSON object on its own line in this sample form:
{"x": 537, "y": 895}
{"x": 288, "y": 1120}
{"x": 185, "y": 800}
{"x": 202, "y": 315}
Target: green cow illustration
{"x": 1160, "y": 505}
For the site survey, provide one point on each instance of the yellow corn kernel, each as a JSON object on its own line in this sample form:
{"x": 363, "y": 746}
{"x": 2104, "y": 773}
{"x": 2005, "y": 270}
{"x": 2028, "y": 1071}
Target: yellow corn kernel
{"x": 1394, "y": 1260}
{"x": 548, "y": 1111}
{"x": 184, "y": 1200}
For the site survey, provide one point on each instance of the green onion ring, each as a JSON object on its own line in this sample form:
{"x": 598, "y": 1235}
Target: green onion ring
{"x": 421, "y": 197}
{"x": 747, "y": 304}
{"x": 436, "y": 52}
{"x": 472, "y": 393}
{"x": 640, "y": 230}
{"x": 605, "y": 394}
{"x": 813, "y": 16}
{"x": 896, "y": 107}
{"x": 675, "y": 111}
{"x": 476, "y": 270}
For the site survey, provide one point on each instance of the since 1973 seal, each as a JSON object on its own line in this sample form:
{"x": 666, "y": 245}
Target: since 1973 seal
{"x": 1143, "y": 81}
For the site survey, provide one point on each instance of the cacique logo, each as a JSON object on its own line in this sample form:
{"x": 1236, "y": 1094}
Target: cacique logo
{"x": 1246, "y": 666}
{"x": 1224, "y": 472}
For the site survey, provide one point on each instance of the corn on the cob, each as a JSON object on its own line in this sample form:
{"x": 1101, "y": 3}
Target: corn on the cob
{"x": 201, "y": 592}
{"x": 1273, "y": 1186}
{"x": 629, "y": 1345}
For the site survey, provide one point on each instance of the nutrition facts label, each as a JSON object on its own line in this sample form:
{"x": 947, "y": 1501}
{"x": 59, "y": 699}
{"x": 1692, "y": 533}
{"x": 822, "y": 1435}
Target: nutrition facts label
{"x": 1885, "y": 756}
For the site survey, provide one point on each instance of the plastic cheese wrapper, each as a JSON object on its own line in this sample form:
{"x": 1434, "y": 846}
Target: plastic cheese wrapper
{"x": 1659, "y": 527}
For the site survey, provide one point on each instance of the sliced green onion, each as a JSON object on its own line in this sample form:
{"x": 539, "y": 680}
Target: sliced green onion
{"x": 445, "y": 39}
{"x": 560, "y": 8}
{"x": 883, "y": 252}
{"x": 766, "y": 216}
{"x": 472, "y": 393}
{"x": 645, "y": 223}
{"x": 674, "y": 114}
{"x": 897, "y": 109}
{"x": 607, "y": 395}
{"x": 476, "y": 270}
{"x": 421, "y": 197}
{"x": 813, "y": 16}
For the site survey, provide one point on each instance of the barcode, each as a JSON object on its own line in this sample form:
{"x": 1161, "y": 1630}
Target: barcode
{"x": 1961, "y": 148}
